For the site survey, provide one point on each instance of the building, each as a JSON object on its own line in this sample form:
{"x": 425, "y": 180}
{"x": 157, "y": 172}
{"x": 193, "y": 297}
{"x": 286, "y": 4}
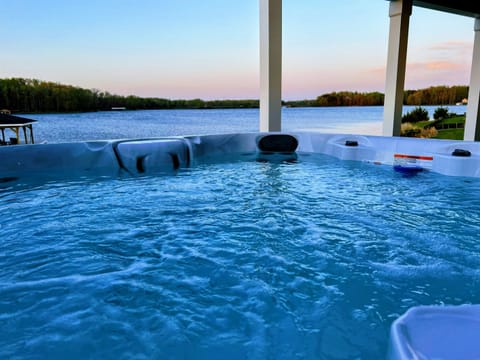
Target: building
{"x": 11, "y": 125}
{"x": 399, "y": 12}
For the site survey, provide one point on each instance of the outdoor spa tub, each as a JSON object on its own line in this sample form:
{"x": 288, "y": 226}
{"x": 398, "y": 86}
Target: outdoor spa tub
{"x": 254, "y": 245}
{"x": 148, "y": 156}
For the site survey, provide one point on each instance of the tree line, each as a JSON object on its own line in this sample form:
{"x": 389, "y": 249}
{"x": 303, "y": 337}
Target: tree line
{"x": 342, "y": 98}
{"x": 36, "y": 96}
{"x": 436, "y": 95}
{"x": 433, "y": 95}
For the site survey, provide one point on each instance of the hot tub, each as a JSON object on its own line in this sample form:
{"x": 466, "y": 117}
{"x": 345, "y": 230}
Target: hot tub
{"x": 150, "y": 155}
{"x": 219, "y": 247}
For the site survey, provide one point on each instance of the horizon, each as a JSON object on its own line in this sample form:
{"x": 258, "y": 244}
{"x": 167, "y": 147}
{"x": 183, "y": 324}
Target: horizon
{"x": 236, "y": 99}
{"x": 209, "y": 49}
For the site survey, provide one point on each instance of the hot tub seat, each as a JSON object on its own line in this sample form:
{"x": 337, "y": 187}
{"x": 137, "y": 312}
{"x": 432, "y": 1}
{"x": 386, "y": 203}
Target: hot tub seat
{"x": 437, "y": 332}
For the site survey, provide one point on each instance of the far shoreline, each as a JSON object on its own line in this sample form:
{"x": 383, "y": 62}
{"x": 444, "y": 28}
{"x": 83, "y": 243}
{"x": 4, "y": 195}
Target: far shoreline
{"x": 284, "y": 107}
{"x": 32, "y": 96}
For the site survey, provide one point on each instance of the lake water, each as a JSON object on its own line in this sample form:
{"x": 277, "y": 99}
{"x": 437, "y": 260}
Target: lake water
{"x": 54, "y": 128}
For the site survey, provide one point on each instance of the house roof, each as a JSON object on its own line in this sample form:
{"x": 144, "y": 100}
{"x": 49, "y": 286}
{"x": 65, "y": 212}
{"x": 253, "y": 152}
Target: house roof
{"x": 12, "y": 120}
{"x": 461, "y": 7}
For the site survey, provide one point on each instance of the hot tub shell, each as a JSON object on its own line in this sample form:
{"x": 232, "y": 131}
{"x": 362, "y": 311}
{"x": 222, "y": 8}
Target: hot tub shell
{"x": 109, "y": 157}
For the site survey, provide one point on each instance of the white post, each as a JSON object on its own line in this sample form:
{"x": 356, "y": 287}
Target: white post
{"x": 400, "y": 11}
{"x": 270, "y": 65}
{"x": 472, "y": 122}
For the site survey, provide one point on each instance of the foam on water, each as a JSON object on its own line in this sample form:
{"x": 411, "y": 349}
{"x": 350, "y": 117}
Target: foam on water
{"x": 313, "y": 259}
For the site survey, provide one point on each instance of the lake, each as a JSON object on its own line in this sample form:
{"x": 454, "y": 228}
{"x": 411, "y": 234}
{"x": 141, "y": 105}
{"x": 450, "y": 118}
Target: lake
{"x": 55, "y": 128}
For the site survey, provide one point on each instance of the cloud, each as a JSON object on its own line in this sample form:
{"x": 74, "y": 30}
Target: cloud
{"x": 452, "y": 45}
{"x": 443, "y": 53}
{"x": 435, "y": 66}
{"x": 422, "y": 74}
{"x": 428, "y": 73}
{"x": 426, "y": 66}
{"x": 377, "y": 70}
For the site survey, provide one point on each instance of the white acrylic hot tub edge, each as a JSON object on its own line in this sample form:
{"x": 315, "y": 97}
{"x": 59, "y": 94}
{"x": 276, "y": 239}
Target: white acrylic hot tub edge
{"x": 113, "y": 156}
{"x": 436, "y": 332}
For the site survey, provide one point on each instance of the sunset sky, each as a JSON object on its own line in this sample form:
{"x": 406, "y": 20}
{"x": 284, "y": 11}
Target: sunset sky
{"x": 209, "y": 48}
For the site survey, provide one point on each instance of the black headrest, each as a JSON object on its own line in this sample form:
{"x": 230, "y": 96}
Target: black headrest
{"x": 280, "y": 143}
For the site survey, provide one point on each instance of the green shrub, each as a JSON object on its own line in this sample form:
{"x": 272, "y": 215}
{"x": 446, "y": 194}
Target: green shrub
{"x": 410, "y": 130}
{"x": 416, "y": 115}
{"x": 441, "y": 113}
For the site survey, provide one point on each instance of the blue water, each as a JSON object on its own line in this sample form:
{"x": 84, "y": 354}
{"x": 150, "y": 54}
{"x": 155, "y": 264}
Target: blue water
{"x": 54, "y": 128}
{"x": 241, "y": 260}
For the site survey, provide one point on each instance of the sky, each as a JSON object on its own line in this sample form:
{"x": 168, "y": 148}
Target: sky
{"x": 209, "y": 49}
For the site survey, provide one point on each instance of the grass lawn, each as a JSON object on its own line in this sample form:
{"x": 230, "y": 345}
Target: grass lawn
{"x": 453, "y": 120}
{"x": 452, "y": 134}
{"x": 425, "y": 128}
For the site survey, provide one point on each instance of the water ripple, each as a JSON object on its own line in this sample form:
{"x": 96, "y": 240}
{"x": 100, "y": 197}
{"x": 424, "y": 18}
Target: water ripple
{"x": 310, "y": 260}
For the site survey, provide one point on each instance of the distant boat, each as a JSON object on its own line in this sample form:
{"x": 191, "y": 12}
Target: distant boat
{"x": 118, "y": 108}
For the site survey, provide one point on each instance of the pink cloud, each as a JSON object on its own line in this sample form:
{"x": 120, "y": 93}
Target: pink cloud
{"x": 424, "y": 66}
{"x": 429, "y": 73}
{"x": 377, "y": 70}
{"x": 453, "y": 45}
{"x": 434, "y": 65}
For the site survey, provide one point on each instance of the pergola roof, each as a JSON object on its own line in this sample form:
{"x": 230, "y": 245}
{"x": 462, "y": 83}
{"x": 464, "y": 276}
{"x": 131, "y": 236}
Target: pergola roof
{"x": 7, "y": 120}
{"x": 460, "y": 7}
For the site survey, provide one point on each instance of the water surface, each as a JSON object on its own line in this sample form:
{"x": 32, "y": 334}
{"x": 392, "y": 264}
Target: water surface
{"x": 54, "y": 128}
{"x": 242, "y": 260}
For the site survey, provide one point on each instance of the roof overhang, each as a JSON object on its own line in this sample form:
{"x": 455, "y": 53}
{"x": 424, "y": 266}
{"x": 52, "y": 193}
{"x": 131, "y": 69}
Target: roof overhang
{"x": 7, "y": 120}
{"x": 7, "y": 126}
{"x": 469, "y": 8}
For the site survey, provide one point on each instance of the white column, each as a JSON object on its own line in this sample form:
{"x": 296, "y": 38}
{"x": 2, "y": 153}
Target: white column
{"x": 472, "y": 123}
{"x": 270, "y": 65}
{"x": 400, "y": 11}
